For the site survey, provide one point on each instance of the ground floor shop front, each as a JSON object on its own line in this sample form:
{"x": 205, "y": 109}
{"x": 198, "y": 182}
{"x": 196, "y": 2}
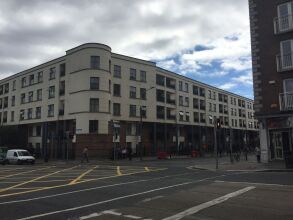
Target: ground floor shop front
{"x": 61, "y": 140}
{"x": 276, "y": 138}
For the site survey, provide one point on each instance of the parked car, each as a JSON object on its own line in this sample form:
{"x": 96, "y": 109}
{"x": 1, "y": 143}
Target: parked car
{"x": 3, "y": 160}
{"x": 19, "y": 156}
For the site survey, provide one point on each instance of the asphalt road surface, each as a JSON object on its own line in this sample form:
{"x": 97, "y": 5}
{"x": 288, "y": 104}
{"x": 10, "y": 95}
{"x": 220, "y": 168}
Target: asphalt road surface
{"x": 167, "y": 190}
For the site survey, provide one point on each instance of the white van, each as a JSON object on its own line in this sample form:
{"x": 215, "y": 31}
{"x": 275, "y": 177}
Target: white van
{"x": 19, "y": 156}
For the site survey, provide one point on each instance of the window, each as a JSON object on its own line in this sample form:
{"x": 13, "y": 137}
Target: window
{"x": 181, "y": 114}
{"x": 14, "y": 85}
{"x": 160, "y": 95}
{"x": 143, "y": 76}
{"x": 187, "y": 116}
{"x": 93, "y": 126}
{"x": 13, "y": 101}
{"x": 180, "y": 100}
{"x": 62, "y": 88}
{"x": 95, "y": 62}
{"x": 51, "y": 92}
{"x": 143, "y": 111}
{"x": 21, "y": 115}
{"x": 132, "y": 110}
{"x": 23, "y": 82}
{"x": 171, "y": 83}
{"x": 12, "y": 116}
{"x": 195, "y": 90}
{"x": 202, "y": 92}
{"x": 40, "y": 77}
{"x": 38, "y": 112}
{"x": 143, "y": 93}
{"x": 285, "y": 12}
{"x": 180, "y": 86}
{"x": 202, "y": 104}
{"x": 38, "y": 131}
{"x": 94, "y": 83}
{"x": 132, "y": 93}
{"x": 186, "y": 87}
{"x": 6, "y": 88}
{"x": 186, "y": 101}
{"x": 31, "y": 96}
{"x": 195, "y": 103}
{"x": 31, "y": 79}
{"x": 50, "y": 110}
{"x": 1, "y": 89}
{"x": 160, "y": 80}
{"x": 160, "y": 112}
{"x": 94, "y": 105}
{"x": 5, "y": 104}
{"x": 39, "y": 94}
{"x": 0, "y": 103}
{"x": 132, "y": 74}
{"x": 117, "y": 71}
{"x": 4, "y": 117}
{"x": 52, "y": 73}
{"x": 30, "y": 113}
{"x": 110, "y": 66}
{"x": 62, "y": 69}
{"x": 195, "y": 116}
{"x": 116, "y": 109}
{"x": 288, "y": 86}
{"x": 116, "y": 89}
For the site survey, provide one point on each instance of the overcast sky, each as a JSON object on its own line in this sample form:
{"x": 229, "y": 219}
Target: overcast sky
{"x": 207, "y": 40}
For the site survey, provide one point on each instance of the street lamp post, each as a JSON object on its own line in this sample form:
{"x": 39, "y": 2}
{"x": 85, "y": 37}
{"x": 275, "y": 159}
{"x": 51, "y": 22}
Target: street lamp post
{"x": 140, "y": 112}
{"x": 216, "y": 121}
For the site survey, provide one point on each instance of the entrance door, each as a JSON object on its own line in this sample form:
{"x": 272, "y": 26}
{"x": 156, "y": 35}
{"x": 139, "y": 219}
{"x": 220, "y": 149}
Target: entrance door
{"x": 277, "y": 145}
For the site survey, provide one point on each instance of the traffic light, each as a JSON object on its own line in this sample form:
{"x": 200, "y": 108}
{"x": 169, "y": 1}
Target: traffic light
{"x": 218, "y": 123}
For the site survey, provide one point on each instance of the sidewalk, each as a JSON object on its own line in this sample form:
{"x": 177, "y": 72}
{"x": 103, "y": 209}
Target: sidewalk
{"x": 250, "y": 165}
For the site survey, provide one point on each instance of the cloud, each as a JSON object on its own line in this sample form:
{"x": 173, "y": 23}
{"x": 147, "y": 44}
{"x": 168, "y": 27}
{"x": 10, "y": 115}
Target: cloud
{"x": 228, "y": 86}
{"x": 210, "y": 44}
{"x": 244, "y": 79}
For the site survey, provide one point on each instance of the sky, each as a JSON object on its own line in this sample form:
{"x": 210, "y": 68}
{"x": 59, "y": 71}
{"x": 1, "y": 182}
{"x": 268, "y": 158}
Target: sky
{"x": 206, "y": 40}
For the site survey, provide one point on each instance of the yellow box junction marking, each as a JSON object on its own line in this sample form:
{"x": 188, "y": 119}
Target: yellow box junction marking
{"x": 82, "y": 181}
{"x": 15, "y": 174}
{"x": 82, "y": 175}
{"x": 35, "y": 179}
{"x": 119, "y": 171}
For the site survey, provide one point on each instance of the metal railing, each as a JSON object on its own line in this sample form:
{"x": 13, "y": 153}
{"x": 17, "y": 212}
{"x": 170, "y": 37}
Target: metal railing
{"x": 286, "y": 101}
{"x": 284, "y": 62}
{"x": 283, "y": 24}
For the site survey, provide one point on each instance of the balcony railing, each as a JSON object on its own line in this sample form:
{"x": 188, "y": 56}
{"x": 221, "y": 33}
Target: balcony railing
{"x": 283, "y": 24}
{"x": 286, "y": 101}
{"x": 284, "y": 62}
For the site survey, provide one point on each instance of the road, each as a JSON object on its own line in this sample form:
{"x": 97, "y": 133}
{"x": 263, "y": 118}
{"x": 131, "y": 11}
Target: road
{"x": 165, "y": 190}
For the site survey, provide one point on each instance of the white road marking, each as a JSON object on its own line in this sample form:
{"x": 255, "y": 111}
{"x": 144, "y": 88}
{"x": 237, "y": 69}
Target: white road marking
{"x": 90, "y": 216}
{"x": 132, "y": 217}
{"x": 252, "y": 183}
{"x": 111, "y": 212}
{"x": 117, "y": 198}
{"x": 89, "y": 189}
{"x": 205, "y": 205}
{"x": 153, "y": 198}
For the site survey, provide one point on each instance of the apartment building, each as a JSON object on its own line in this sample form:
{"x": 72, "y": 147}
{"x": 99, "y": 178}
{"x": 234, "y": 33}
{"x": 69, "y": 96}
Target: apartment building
{"x": 94, "y": 98}
{"x": 272, "y": 48}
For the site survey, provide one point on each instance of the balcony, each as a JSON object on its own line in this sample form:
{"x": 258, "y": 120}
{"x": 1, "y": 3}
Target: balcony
{"x": 283, "y": 24}
{"x": 284, "y": 62}
{"x": 286, "y": 101}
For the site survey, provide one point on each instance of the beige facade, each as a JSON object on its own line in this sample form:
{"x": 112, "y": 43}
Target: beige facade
{"x": 67, "y": 94}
